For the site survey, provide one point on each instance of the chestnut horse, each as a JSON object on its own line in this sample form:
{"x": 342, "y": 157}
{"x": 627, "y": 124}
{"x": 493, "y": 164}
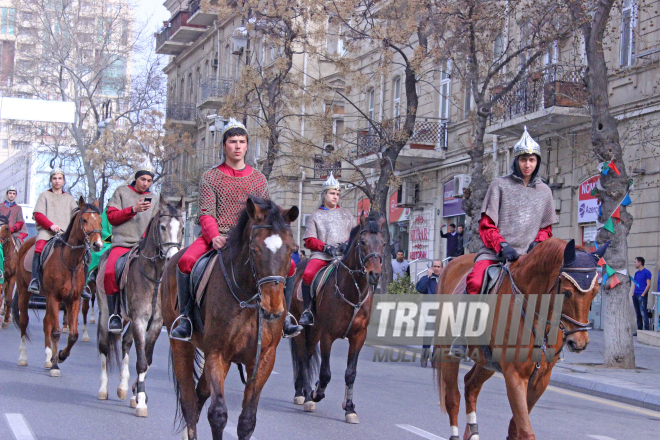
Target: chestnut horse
{"x": 343, "y": 310}
{"x": 550, "y": 268}
{"x": 240, "y": 318}
{"x": 10, "y": 245}
{"x": 62, "y": 281}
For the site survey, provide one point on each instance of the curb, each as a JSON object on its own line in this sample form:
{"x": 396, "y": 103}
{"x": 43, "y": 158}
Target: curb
{"x": 623, "y": 392}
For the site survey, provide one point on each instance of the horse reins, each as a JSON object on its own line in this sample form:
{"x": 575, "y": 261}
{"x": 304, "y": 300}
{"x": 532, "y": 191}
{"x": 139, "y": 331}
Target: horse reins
{"x": 361, "y": 271}
{"x": 254, "y": 302}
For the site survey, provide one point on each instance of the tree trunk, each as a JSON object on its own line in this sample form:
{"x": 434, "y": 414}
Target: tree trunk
{"x": 619, "y": 350}
{"x": 479, "y": 185}
{"x": 381, "y": 204}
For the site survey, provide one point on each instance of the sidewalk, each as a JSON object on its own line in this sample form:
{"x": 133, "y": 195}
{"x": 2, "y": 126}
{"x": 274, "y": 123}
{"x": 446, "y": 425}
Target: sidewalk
{"x": 584, "y": 373}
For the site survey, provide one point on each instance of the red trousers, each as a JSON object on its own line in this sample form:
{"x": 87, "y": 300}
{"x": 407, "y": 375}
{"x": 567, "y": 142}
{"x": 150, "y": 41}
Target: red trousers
{"x": 110, "y": 280}
{"x": 198, "y": 248}
{"x": 39, "y": 246}
{"x": 476, "y": 278}
{"x": 312, "y": 269}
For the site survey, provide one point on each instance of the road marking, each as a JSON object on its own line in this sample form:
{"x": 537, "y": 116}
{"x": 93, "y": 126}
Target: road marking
{"x": 19, "y": 427}
{"x": 274, "y": 372}
{"x": 600, "y": 437}
{"x": 420, "y": 432}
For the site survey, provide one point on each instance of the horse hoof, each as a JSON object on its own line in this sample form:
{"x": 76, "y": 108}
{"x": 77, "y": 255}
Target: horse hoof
{"x": 92, "y": 320}
{"x": 48, "y": 365}
{"x": 352, "y": 419}
{"x": 22, "y": 362}
{"x": 5, "y": 324}
{"x": 103, "y": 395}
{"x": 85, "y": 339}
{"x": 299, "y": 400}
{"x": 141, "y": 412}
{"x": 122, "y": 394}
{"x": 309, "y": 406}
{"x": 65, "y": 329}
{"x": 133, "y": 403}
{"x": 55, "y": 373}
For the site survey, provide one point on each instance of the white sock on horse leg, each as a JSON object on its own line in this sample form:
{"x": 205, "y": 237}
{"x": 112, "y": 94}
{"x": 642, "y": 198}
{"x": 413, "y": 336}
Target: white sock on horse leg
{"x": 454, "y": 431}
{"x": 103, "y": 390}
{"x": 472, "y": 418}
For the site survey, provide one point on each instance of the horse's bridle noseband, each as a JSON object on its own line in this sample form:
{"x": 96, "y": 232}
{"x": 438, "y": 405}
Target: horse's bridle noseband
{"x": 580, "y": 326}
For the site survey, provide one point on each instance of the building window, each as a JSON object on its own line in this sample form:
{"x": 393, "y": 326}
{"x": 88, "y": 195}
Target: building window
{"x": 371, "y": 104}
{"x": 8, "y": 21}
{"x": 445, "y": 89}
{"x": 20, "y": 145}
{"x": 5, "y": 144}
{"x": 628, "y": 23}
{"x": 467, "y": 105}
{"x": 498, "y": 47}
{"x": 396, "y": 112}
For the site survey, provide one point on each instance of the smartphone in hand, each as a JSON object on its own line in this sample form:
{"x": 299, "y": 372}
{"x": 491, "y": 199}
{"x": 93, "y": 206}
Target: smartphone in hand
{"x": 147, "y": 199}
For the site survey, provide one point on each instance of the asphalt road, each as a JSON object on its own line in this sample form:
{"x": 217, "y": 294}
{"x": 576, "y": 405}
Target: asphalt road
{"x": 393, "y": 401}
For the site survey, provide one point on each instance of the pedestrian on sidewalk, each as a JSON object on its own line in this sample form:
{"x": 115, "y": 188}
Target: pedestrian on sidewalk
{"x": 641, "y": 295}
{"x": 400, "y": 266}
{"x": 452, "y": 240}
{"x": 428, "y": 285}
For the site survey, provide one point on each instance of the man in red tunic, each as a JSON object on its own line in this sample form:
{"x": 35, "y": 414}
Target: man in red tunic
{"x": 223, "y": 191}
{"x": 10, "y": 209}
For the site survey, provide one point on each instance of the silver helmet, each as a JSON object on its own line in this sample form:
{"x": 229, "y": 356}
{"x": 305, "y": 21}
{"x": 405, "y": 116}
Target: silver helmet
{"x": 331, "y": 183}
{"x": 526, "y": 145}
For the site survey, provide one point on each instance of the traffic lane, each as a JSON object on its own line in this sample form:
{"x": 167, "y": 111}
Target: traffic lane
{"x": 391, "y": 399}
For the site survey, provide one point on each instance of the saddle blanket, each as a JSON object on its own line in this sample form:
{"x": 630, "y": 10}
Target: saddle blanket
{"x": 29, "y": 255}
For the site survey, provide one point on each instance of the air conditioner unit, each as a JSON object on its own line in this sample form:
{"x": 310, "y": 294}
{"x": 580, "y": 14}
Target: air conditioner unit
{"x": 408, "y": 192}
{"x": 215, "y": 62}
{"x": 305, "y": 219}
{"x": 461, "y": 182}
{"x": 557, "y": 204}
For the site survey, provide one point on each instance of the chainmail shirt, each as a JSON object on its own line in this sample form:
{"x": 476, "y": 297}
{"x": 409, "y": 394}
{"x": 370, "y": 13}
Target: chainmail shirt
{"x": 14, "y": 215}
{"x": 223, "y": 197}
{"x": 518, "y": 211}
{"x": 331, "y": 226}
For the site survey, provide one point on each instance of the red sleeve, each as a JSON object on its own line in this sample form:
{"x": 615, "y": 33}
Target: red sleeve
{"x": 116, "y": 217}
{"x": 42, "y": 220}
{"x": 23, "y": 235}
{"x": 544, "y": 233}
{"x": 17, "y": 227}
{"x": 209, "y": 228}
{"x": 314, "y": 244}
{"x": 489, "y": 233}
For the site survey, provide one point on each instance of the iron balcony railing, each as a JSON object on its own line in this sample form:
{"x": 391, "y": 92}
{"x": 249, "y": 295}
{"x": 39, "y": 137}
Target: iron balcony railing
{"x": 181, "y": 19}
{"x": 428, "y": 131}
{"x": 323, "y": 165}
{"x": 162, "y": 36}
{"x": 555, "y": 85}
{"x": 216, "y": 89}
{"x": 179, "y": 111}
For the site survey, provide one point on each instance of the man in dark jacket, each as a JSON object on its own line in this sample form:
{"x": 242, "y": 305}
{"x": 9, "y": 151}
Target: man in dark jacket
{"x": 452, "y": 240}
{"x": 460, "y": 248}
{"x": 427, "y": 285}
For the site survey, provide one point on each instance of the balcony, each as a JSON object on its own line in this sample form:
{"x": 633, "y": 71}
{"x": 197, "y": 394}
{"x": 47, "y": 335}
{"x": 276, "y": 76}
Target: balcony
{"x": 199, "y": 17}
{"x": 181, "y": 113}
{"x": 323, "y": 165}
{"x": 427, "y": 143}
{"x": 545, "y": 101}
{"x": 177, "y": 35}
{"x": 212, "y": 92}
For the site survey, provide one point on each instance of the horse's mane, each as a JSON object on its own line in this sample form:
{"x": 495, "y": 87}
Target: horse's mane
{"x": 371, "y": 226}
{"x": 171, "y": 210}
{"x": 67, "y": 234}
{"x": 4, "y": 220}
{"x": 274, "y": 217}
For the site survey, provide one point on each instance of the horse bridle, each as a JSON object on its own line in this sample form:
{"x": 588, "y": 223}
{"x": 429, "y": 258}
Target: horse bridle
{"x": 85, "y": 245}
{"x": 163, "y": 248}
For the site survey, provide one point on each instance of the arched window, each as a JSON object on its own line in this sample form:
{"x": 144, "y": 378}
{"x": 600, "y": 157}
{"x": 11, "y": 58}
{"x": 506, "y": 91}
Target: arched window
{"x": 371, "y": 99}
{"x": 396, "y": 111}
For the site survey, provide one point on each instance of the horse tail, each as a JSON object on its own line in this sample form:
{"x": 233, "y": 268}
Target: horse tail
{"x": 240, "y": 371}
{"x": 15, "y": 313}
{"x": 109, "y": 341}
{"x": 437, "y": 373}
{"x": 311, "y": 367}
{"x": 179, "y": 421}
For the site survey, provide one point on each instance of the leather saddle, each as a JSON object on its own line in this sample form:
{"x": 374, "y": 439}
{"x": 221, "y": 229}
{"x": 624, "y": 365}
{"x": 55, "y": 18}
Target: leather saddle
{"x": 200, "y": 274}
{"x": 322, "y": 277}
{"x": 120, "y": 265}
{"x": 491, "y": 278}
{"x": 45, "y": 254}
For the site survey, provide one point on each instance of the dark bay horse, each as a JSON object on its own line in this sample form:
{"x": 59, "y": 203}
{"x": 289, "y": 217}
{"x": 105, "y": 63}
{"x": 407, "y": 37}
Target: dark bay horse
{"x": 63, "y": 279}
{"x": 550, "y": 268}
{"x": 242, "y": 314}
{"x": 161, "y": 241}
{"x": 343, "y": 310}
{"x": 10, "y": 246}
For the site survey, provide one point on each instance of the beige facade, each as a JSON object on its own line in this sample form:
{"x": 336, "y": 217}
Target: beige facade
{"x": 550, "y": 101}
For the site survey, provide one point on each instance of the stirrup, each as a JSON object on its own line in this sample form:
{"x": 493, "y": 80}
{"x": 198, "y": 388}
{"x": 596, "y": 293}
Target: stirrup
{"x": 121, "y": 327}
{"x": 293, "y": 335}
{"x": 86, "y": 293}
{"x": 310, "y": 314}
{"x": 36, "y": 288}
{"x": 174, "y": 326}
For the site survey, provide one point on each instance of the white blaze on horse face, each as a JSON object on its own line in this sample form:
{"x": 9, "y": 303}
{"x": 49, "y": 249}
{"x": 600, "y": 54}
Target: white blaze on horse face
{"x": 274, "y": 243}
{"x": 173, "y": 236}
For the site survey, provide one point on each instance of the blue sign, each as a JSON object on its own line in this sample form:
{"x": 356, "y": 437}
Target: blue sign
{"x": 451, "y": 206}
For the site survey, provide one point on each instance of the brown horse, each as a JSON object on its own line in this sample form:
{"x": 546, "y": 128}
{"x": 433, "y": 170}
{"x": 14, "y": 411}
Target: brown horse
{"x": 62, "y": 281}
{"x": 343, "y": 310}
{"x": 10, "y": 246}
{"x": 550, "y": 268}
{"x": 239, "y": 320}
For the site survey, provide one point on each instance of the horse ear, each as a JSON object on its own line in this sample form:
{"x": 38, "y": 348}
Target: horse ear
{"x": 96, "y": 203}
{"x": 292, "y": 214}
{"x": 569, "y": 253}
{"x": 382, "y": 220}
{"x": 363, "y": 219}
{"x": 81, "y": 203}
{"x": 181, "y": 203}
{"x": 601, "y": 250}
{"x": 253, "y": 211}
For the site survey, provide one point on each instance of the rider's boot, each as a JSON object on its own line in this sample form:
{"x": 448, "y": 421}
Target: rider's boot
{"x": 115, "y": 324}
{"x": 290, "y": 329}
{"x": 184, "y": 329}
{"x": 34, "y": 286}
{"x": 85, "y": 292}
{"x": 307, "y": 318}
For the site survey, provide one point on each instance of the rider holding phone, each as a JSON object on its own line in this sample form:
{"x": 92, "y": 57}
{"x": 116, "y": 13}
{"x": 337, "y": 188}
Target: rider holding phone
{"x": 129, "y": 211}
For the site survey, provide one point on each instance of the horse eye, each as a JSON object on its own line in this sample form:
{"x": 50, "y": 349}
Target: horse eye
{"x": 567, "y": 293}
{"x": 162, "y": 227}
{"x": 84, "y": 221}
